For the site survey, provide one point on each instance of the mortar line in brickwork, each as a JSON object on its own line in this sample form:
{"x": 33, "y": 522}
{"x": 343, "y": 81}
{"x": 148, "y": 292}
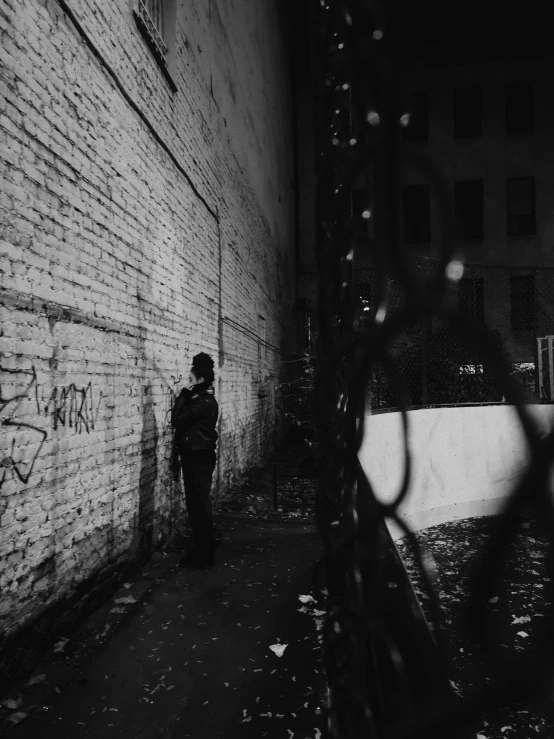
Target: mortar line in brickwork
{"x": 69, "y": 314}
{"x": 129, "y": 100}
{"x": 251, "y": 335}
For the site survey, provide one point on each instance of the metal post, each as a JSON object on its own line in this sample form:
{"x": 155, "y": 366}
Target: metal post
{"x": 538, "y": 366}
{"x": 550, "y": 370}
{"x": 275, "y": 501}
{"x": 424, "y": 327}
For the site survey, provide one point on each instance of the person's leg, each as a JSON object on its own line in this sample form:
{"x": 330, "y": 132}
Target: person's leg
{"x": 197, "y": 479}
{"x": 204, "y": 524}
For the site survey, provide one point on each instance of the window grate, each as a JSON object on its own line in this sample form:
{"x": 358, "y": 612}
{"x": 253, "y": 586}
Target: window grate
{"x": 152, "y": 15}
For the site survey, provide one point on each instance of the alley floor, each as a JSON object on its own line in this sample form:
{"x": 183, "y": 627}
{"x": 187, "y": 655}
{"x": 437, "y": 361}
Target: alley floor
{"x": 518, "y": 613}
{"x": 230, "y": 651}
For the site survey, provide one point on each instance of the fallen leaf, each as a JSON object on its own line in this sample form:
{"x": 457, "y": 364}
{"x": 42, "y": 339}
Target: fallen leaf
{"x": 522, "y": 633}
{"x": 505, "y": 728}
{"x": 125, "y": 599}
{"x": 278, "y": 649}
{"x": 521, "y": 620}
{"x": 15, "y": 718}
{"x": 37, "y": 679}
{"x": 11, "y": 703}
{"x": 59, "y": 646}
{"x": 117, "y": 609}
{"x": 494, "y": 600}
{"x": 306, "y": 599}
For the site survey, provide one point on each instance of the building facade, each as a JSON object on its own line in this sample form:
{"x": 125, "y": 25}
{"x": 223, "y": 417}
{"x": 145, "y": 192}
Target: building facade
{"x": 148, "y": 214}
{"x": 488, "y": 127}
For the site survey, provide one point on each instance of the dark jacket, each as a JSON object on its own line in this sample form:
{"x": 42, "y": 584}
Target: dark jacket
{"x": 194, "y": 418}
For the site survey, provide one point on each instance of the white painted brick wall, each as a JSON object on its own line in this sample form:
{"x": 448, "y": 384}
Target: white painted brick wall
{"x": 110, "y": 274}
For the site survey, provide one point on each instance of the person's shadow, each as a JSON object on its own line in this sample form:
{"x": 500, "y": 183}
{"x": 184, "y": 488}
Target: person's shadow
{"x": 148, "y": 475}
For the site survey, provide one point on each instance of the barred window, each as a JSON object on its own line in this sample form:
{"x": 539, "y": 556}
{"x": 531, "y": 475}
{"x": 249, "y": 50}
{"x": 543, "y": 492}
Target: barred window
{"x": 520, "y": 203}
{"x": 155, "y": 10}
{"x": 151, "y": 15}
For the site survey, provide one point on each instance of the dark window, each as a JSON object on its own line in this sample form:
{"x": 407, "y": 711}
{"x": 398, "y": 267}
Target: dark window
{"x": 468, "y": 198}
{"x": 471, "y": 296}
{"x": 418, "y": 127}
{"x": 467, "y": 112}
{"x": 520, "y": 205}
{"x": 522, "y": 302}
{"x": 417, "y": 214}
{"x": 519, "y": 108}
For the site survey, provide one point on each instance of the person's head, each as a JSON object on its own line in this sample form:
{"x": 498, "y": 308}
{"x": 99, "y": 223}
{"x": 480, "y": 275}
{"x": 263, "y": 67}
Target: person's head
{"x": 202, "y": 369}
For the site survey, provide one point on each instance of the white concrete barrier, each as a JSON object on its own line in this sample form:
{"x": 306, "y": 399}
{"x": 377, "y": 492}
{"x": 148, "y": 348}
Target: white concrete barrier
{"x": 465, "y": 459}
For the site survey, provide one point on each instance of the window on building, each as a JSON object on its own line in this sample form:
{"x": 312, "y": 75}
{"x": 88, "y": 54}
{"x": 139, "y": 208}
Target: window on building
{"x": 418, "y": 127}
{"x": 471, "y": 296}
{"x": 467, "y": 112}
{"x": 518, "y": 108}
{"x": 522, "y": 302}
{"x": 417, "y": 214}
{"x": 520, "y": 205}
{"x": 468, "y": 198}
{"x": 156, "y": 21}
{"x": 151, "y": 13}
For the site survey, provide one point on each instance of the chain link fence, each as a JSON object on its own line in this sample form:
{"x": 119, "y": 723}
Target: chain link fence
{"x": 437, "y": 365}
{"x": 434, "y": 332}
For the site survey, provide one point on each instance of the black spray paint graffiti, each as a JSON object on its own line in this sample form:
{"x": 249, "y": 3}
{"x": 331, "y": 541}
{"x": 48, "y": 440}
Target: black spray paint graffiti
{"x": 70, "y": 406}
{"x": 23, "y": 441}
{"x": 21, "y": 467}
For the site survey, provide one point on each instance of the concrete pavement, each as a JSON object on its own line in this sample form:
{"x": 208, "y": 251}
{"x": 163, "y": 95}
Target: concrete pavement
{"x": 191, "y": 657}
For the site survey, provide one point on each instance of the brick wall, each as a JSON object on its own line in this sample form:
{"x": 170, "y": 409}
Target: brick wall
{"x": 140, "y": 226}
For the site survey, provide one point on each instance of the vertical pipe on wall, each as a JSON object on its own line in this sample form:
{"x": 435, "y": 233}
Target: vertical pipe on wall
{"x": 424, "y": 340}
{"x": 550, "y": 370}
{"x": 221, "y": 357}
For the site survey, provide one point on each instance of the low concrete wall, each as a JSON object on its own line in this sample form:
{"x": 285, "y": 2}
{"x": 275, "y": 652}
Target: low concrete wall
{"x": 465, "y": 459}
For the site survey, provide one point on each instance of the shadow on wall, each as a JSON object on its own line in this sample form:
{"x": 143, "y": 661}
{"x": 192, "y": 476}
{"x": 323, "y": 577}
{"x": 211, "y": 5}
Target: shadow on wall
{"x": 148, "y": 474}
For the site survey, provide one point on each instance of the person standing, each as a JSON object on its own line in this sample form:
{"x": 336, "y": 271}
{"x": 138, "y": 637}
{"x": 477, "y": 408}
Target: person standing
{"x": 194, "y": 418}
